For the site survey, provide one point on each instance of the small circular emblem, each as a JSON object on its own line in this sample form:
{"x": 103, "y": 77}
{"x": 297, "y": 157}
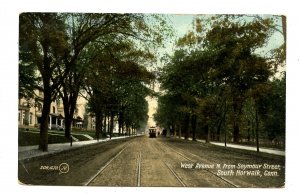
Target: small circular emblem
{"x": 64, "y": 168}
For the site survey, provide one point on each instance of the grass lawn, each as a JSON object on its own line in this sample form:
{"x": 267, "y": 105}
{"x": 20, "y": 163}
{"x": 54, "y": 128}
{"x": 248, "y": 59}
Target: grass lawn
{"x": 80, "y": 137}
{"x": 85, "y": 132}
{"x": 30, "y": 138}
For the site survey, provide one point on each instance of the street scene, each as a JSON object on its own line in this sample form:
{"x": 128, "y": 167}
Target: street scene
{"x": 155, "y": 162}
{"x": 152, "y": 100}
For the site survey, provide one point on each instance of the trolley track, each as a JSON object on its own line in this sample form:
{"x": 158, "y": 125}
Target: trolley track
{"x": 110, "y": 162}
{"x": 163, "y": 155}
{"x": 176, "y": 176}
{"x": 170, "y": 168}
{"x": 138, "y": 169}
{"x": 104, "y": 167}
{"x": 179, "y": 152}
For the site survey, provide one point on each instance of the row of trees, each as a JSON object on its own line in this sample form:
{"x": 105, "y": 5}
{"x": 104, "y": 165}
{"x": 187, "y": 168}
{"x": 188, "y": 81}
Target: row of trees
{"x": 219, "y": 84}
{"x": 63, "y": 54}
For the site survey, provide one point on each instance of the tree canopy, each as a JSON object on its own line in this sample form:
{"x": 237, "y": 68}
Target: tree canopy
{"x": 63, "y": 46}
{"x": 214, "y": 72}
{"x": 218, "y": 84}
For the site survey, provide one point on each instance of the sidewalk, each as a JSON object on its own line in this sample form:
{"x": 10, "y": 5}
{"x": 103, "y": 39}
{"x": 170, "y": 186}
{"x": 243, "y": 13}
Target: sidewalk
{"x": 250, "y": 148}
{"x": 31, "y": 152}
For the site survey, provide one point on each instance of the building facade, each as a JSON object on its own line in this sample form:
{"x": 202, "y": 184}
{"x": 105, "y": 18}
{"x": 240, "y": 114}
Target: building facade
{"x": 30, "y": 112}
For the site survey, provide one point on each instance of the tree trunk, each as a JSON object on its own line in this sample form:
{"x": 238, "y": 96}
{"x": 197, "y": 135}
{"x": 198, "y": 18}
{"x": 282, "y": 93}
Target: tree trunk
{"x": 180, "y": 128}
{"x": 194, "y": 125}
{"x": 225, "y": 135}
{"x": 219, "y": 128}
{"x": 253, "y": 132}
{"x": 186, "y": 125}
{"x": 43, "y": 141}
{"x": 283, "y": 18}
{"x": 248, "y": 132}
{"x": 127, "y": 130}
{"x": 257, "y": 130}
{"x": 169, "y": 127}
{"x": 111, "y": 124}
{"x": 172, "y": 128}
{"x": 175, "y": 130}
{"x": 104, "y": 124}
{"x": 69, "y": 103}
{"x": 45, "y": 70}
{"x": 108, "y": 123}
{"x": 122, "y": 129}
{"x": 207, "y": 132}
{"x": 224, "y": 123}
{"x": 119, "y": 126}
{"x": 99, "y": 119}
{"x": 237, "y": 109}
{"x": 68, "y": 123}
{"x": 236, "y": 132}
{"x": 121, "y": 121}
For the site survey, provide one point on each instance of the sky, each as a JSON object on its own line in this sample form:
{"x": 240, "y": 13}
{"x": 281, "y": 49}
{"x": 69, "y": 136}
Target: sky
{"x": 182, "y": 23}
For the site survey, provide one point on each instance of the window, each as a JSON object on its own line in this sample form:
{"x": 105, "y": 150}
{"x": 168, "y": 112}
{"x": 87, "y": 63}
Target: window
{"x": 53, "y": 109}
{"x": 40, "y": 107}
{"x": 23, "y": 118}
{"x": 30, "y": 118}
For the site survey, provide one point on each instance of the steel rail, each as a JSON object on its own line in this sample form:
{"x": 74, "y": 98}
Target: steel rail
{"x": 182, "y": 155}
{"x": 172, "y": 171}
{"x": 138, "y": 170}
{"x": 103, "y": 168}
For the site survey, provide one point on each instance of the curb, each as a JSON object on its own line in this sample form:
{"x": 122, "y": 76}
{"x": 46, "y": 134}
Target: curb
{"x": 49, "y": 154}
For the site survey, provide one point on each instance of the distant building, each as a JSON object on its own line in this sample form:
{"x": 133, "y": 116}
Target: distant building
{"x": 92, "y": 124}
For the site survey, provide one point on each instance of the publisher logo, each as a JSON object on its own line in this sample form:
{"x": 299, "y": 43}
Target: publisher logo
{"x": 64, "y": 168}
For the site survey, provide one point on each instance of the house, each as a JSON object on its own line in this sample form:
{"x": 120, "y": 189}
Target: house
{"x": 30, "y": 112}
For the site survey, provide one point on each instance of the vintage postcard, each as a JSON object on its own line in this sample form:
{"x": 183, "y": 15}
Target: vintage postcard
{"x": 152, "y": 100}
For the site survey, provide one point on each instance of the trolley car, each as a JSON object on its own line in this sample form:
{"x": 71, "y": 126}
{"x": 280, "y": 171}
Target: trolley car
{"x": 152, "y": 133}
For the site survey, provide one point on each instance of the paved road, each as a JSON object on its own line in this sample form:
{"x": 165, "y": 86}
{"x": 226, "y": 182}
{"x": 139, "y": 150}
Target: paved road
{"x": 143, "y": 161}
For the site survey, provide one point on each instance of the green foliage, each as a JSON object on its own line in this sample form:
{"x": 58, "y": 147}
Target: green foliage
{"x": 273, "y": 113}
{"x": 215, "y": 73}
{"x": 27, "y": 80}
{"x": 42, "y": 45}
{"x": 64, "y": 46}
{"x": 116, "y": 79}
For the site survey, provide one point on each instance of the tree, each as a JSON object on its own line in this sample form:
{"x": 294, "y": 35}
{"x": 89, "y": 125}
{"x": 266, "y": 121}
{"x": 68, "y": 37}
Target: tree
{"x": 168, "y": 113}
{"x": 103, "y": 31}
{"x": 270, "y": 109}
{"x": 216, "y": 66}
{"x": 27, "y": 77}
{"x": 239, "y": 67}
{"x": 276, "y": 117}
{"x": 57, "y": 44}
{"x": 43, "y": 41}
{"x": 116, "y": 85}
